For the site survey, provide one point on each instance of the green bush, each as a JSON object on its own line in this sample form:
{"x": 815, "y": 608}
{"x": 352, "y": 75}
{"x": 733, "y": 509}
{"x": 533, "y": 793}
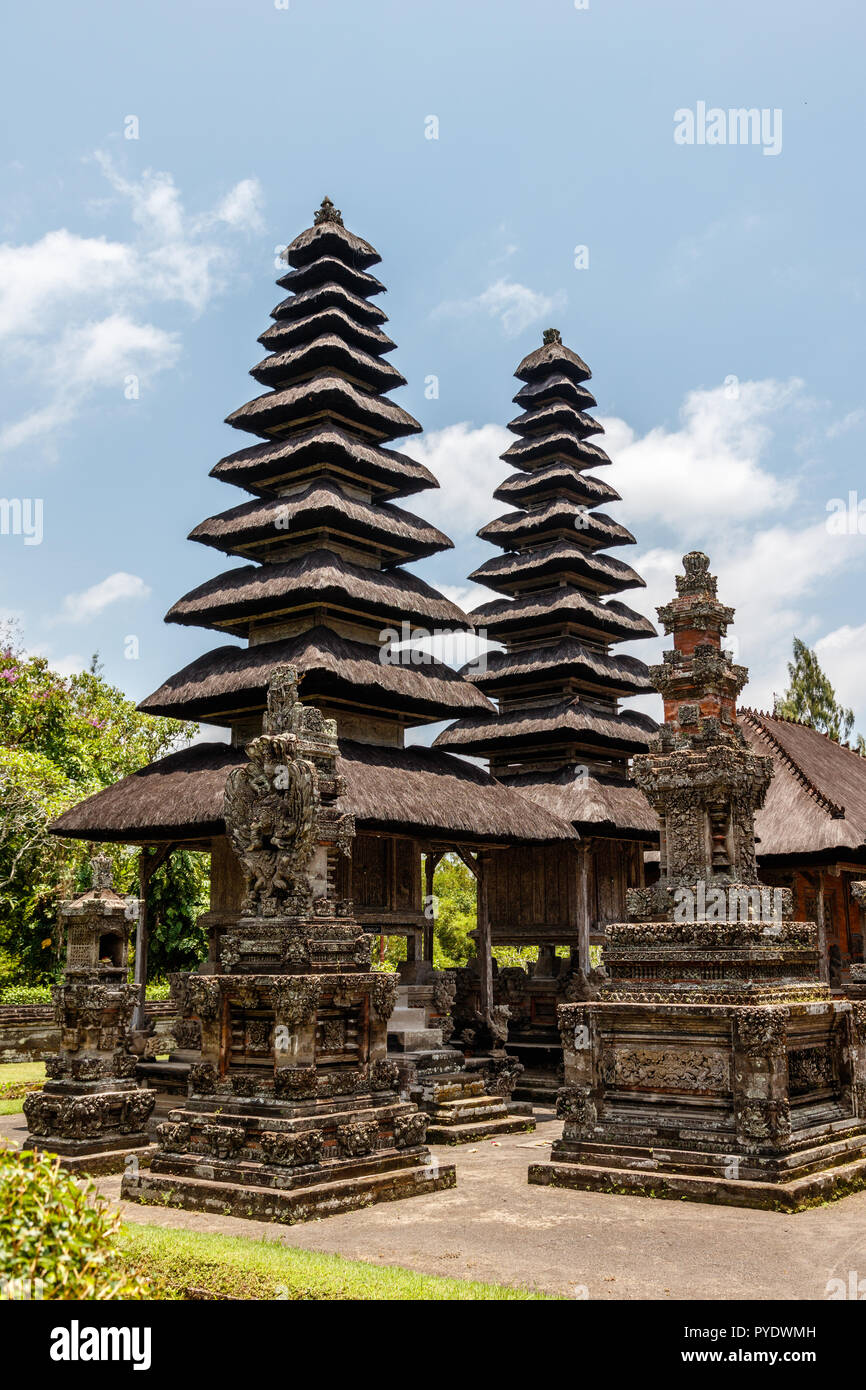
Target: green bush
{"x": 25, "y": 994}
{"x": 58, "y": 1238}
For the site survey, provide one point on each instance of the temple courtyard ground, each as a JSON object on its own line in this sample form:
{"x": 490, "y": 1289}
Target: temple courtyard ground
{"x": 495, "y": 1228}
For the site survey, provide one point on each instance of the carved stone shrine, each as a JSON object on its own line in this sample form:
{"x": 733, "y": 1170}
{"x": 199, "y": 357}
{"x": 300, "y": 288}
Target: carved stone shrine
{"x": 91, "y": 1110}
{"x": 293, "y": 1112}
{"x": 714, "y": 1065}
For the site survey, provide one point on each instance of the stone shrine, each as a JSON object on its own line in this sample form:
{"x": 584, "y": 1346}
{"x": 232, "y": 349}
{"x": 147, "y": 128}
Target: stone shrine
{"x": 91, "y": 1110}
{"x": 714, "y": 1064}
{"x": 293, "y": 1111}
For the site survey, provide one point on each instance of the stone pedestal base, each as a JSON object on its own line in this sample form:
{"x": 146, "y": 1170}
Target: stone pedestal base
{"x": 816, "y": 1173}
{"x": 108, "y": 1155}
{"x": 358, "y": 1185}
{"x": 289, "y": 1162}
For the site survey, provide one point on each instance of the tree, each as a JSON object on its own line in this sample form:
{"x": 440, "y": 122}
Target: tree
{"x": 62, "y": 738}
{"x": 811, "y": 699}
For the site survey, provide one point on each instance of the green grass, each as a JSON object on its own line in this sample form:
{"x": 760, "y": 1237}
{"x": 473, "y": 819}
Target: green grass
{"x": 16, "y": 1078}
{"x": 235, "y": 1267}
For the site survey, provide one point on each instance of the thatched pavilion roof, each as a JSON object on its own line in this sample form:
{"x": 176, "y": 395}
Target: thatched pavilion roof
{"x": 617, "y": 675}
{"x": 566, "y": 607}
{"x": 602, "y": 574}
{"x": 593, "y": 803}
{"x": 562, "y": 723}
{"x": 556, "y": 519}
{"x": 327, "y": 397}
{"x": 414, "y": 791}
{"x": 816, "y": 802}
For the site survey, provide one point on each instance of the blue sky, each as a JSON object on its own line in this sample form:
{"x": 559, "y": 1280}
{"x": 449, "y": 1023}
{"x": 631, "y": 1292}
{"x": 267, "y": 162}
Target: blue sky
{"x": 721, "y": 311}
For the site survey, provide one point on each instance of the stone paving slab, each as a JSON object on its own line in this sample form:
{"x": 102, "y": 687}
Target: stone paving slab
{"x": 493, "y": 1226}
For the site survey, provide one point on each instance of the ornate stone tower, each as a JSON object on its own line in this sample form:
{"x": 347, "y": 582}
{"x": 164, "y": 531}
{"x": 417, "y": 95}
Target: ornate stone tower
{"x": 91, "y": 1111}
{"x": 715, "y": 1065}
{"x": 293, "y": 1111}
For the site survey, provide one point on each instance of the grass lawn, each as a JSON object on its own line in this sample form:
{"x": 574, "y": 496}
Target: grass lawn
{"x": 16, "y": 1078}
{"x": 235, "y": 1267}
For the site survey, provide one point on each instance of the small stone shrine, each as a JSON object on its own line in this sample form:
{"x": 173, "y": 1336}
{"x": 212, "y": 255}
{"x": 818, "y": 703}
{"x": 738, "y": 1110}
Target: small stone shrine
{"x": 293, "y": 1111}
{"x": 466, "y": 1099}
{"x": 91, "y": 1110}
{"x": 714, "y": 1065}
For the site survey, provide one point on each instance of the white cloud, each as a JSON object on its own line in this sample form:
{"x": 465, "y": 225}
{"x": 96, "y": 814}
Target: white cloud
{"x": 79, "y": 608}
{"x": 85, "y": 358}
{"x": 709, "y": 470}
{"x": 841, "y": 654}
{"x": 848, "y": 422}
{"x": 515, "y": 306}
{"x": 467, "y": 465}
{"x": 70, "y": 306}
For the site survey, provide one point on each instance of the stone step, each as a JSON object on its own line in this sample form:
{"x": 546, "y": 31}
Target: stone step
{"x": 476, "y": 1104}
{"x": 406, "y": 1018}
{"x": 415, "y": 1040}
{"x": 479, "y": 1130}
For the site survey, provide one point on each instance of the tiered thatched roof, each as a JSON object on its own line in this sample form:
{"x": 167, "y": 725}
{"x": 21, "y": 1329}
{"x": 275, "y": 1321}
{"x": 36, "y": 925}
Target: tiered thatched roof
{"x": 557, "y": 683}
{"x": 326, "y": 541}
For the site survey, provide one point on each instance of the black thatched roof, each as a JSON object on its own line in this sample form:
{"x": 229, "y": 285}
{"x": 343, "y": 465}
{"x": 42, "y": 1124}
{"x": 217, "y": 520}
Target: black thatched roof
{"x": 605, "y": 620}
{"x": 234, "y": 600}
{"x": 324, "y": 397}
{"x": 594, "y": 804}
{"x": 555, "y": 415}
{"x": 555, "y": 480}
{"x": 560, "y": 517}
{"x": 536, "y": 451}
{"x": 557, "y": 685}
{"x": 553, "y": 356}
{"x": 388, "y": 531}
{"x": 567, "y": 722}
{"x": 415, "y": 791}
{"x": 231, "y": 682}
{"x": 331, "y": 270}
{"x": 328, "y": 353}
{"x": 264, "y": 468}
{"x": 602, "y": 574}
{"x": 816, "y": 802}
{"x": 620, "y": 676}
{"x": 298, "y": 306}
{"x": 289, "y": 333}
{"x": 556, "y": 387}
{"x": 328, "y": 237}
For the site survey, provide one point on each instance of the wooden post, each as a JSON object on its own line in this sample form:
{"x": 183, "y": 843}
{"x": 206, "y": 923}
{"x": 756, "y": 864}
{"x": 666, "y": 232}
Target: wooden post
{"x": 485, "y": 957}
{"x": 823, "y": 961}
{"x": 584, "y": 869}
{"x": 430, "y": 862}
{"x": 147, "y": 867}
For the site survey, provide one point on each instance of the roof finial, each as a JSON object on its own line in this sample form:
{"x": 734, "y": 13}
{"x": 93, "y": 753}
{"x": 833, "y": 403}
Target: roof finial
{"x": 551, "y": 335}
{"x": 328, "y": 213}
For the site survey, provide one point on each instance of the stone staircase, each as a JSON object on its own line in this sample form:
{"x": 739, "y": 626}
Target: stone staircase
{"x": 435, "y": 1077}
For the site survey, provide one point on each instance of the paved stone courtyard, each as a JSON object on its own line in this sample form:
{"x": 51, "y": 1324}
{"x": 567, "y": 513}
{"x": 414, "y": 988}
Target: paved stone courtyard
{"x": 495, "y": 1227}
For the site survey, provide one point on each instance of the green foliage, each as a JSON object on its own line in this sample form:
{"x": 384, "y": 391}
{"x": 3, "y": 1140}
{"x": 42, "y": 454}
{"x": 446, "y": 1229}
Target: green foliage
{"x": 178, "y": 894}
{"x": 62, "y": 738}
{"x": 59, "y": 1233}
{"x": 811, "y": 699}
{"x": 237, "y": 1267}
{"x": 455, "y": 913}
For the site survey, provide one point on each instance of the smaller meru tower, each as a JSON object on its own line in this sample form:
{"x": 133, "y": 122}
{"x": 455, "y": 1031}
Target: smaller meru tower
{"x": 715, "y": 1065}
